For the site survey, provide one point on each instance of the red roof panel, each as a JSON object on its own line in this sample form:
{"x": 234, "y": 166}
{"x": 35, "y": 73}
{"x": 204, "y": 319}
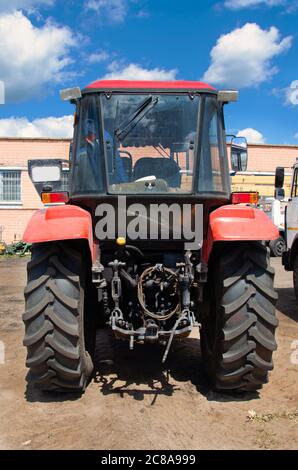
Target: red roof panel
{"x": 145, "y": 84}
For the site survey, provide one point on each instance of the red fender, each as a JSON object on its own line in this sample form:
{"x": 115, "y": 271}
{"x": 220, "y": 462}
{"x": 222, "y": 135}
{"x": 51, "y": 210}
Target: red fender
{"x": 238, "y": 223}
{"x": 60, "y": 223}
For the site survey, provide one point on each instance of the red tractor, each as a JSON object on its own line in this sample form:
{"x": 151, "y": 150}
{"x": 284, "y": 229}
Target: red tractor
{"x": 146, "y": 238}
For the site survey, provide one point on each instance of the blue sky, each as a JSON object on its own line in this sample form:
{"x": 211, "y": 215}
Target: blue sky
{"x": 251, "y": 45}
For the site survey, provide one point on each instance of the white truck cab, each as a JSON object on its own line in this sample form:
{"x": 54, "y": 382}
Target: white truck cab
{"x": 290, "y": 256}
{"x": 292, "y": 211}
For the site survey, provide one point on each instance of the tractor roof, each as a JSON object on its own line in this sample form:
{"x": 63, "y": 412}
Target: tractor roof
{"x": 122, "y": 85}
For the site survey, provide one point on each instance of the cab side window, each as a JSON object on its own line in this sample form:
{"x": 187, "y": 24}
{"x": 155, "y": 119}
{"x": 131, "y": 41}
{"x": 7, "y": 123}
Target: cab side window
{"x": 211, "y": 162}
{"x": 87, "y": 176}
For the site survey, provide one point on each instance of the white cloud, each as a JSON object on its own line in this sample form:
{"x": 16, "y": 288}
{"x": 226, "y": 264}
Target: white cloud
{"x": 97, "y": 57}
{"x": 136, "y": 72}
{"x": 143, "y": 14}
{"x": 114, "y": 11}
{"x": 244, "y": 56}
{"x": 28, "y": 5}
{"x": 61, "y": 127}
{"x": 292, "y": 93}
{"x": 238, "y": 4}
{"x": 292, "y": 6}
{"x": 252, "y": 136}
{"x": 31, "y": 58}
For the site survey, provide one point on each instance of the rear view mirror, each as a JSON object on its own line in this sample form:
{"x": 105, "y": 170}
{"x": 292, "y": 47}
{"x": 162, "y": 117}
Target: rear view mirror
{"x": 239, "y": 154}
{"x": 46, "y": 174}
{"x": 279, "y": 177}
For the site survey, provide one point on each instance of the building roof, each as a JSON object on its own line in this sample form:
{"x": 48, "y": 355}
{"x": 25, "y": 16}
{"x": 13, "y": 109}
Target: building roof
{"x": 148, "y": 85}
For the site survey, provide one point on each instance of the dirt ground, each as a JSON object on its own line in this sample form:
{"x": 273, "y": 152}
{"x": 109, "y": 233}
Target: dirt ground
{"x": 139, "y": 404}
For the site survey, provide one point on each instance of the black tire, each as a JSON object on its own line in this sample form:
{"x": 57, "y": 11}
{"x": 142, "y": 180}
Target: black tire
{"x": 59, "y": 329}
{"x": 277, "y": 247}
{"x": 237, "y": 335}
{"x": 105, "y": 347}
{"x": 295, "y": 276}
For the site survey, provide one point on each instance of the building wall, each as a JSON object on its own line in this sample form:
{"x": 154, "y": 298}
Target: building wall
{"x": 265, "y": 158}
{"x": 14, "y": 154}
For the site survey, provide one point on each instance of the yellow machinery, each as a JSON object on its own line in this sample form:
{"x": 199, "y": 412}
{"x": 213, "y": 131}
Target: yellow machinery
{"x": 263, "y": 182}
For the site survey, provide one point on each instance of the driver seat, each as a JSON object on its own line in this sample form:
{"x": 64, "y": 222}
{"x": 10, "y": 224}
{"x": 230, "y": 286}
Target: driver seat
{"x": 163, "y": 168}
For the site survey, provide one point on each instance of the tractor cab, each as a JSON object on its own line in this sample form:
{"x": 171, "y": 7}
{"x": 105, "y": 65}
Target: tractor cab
{"x": 149, "y": 138}
{"x": 163, "y": 138}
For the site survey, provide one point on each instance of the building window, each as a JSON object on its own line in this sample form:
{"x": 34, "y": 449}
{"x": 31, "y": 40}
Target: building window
{"x": 10, "y": 186}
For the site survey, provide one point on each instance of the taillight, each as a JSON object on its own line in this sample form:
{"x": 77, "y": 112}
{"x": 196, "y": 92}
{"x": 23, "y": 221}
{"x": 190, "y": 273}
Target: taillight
{"x": 245, "y": 198}
{"x": 55, "y": 198}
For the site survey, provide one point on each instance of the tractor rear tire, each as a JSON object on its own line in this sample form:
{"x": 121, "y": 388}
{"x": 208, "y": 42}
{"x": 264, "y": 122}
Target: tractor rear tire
{"x": 59, "y": 330}
{"x": 238, "y": 329}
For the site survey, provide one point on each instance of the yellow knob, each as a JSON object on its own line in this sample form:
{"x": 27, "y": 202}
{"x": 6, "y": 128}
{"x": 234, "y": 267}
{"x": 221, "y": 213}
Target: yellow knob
{"x": 121, "y": 241}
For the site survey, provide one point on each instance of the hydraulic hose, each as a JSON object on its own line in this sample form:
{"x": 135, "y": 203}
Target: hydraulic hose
{"x": 141, "y": 298}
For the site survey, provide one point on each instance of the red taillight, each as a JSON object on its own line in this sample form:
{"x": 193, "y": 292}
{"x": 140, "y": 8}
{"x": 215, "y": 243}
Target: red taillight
{"x": 55, "y": 198}
{"x": 245, "y": 198}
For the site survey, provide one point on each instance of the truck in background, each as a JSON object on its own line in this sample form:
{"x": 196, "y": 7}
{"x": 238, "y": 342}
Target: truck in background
{"x": 290, "y": 255}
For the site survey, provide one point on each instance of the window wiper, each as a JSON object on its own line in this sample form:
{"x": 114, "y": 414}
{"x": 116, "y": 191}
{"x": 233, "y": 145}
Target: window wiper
{"x": 127, "y": 126}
